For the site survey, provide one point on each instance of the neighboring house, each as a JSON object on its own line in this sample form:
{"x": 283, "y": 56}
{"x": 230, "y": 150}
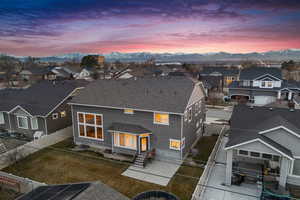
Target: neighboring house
{"x": 260, "y": 85}
{"x": 264, "y": 141}
{"x": 37, "y": 74}
{"x": 132, "y": 116}
{"x": 40, "y": 109}
{"x": 87, "y": 73}
{"x": 74, "y": 191}
{"x": 226, "y": 75}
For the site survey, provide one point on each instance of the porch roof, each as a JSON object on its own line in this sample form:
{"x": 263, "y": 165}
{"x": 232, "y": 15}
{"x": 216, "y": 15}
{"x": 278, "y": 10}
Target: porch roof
{"x": 128, "y": 128}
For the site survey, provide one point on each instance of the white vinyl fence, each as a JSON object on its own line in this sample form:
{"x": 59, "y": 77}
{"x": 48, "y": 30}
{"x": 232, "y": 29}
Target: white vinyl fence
{"x": 20, "y": 152}
{"x": 200, "y": 188}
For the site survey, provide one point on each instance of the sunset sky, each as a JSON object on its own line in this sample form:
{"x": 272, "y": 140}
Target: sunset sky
{"x": 51, "y": 27}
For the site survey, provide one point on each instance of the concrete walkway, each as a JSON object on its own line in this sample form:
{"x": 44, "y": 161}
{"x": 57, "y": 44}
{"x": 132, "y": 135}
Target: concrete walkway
{"x": 216, "y": 190}
{"x": 157, "y": 172}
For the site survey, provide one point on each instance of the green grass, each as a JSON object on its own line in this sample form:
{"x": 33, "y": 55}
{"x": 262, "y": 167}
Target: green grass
{"x": 54, "y": 166}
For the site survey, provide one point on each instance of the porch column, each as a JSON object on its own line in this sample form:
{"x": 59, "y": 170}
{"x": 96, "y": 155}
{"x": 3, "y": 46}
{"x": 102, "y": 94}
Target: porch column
{"x": 290, "y": 96}
{"x": 279, "y": 94}
{"x": 228, "y": 166}
{"x": 284, "y": 170}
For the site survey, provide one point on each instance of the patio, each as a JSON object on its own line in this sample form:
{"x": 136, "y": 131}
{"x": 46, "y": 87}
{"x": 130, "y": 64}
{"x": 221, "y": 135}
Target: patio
{"x": 216, "y": 189}
{"x": 157, "y": 172}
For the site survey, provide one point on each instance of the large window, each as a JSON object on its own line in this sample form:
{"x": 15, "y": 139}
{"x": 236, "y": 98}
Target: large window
{"x": 125, "y": 140}
{"x": 174, "y": 144}
{"x": 34, "y": 123}
{"x": 161, "y": 118}
{"x": 253, "y": 154}
{"x": 22, "y": 122}
{"x": 2, "y": 118}
{"x": 90, "y": 125}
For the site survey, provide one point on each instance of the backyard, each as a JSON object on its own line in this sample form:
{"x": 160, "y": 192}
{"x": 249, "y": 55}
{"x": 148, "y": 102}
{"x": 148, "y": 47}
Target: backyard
{"x": 57, "y": 164}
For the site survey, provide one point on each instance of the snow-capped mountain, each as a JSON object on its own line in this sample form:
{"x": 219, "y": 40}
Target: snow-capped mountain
{"x": 287, "y": 54}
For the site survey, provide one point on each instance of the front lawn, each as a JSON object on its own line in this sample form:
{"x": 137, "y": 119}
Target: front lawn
{"x": 54, "y": 166}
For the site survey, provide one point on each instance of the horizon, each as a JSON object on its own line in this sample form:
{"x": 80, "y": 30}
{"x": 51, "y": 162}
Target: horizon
{"x": 186, "y": 53}
{"x": 56, "y": 27}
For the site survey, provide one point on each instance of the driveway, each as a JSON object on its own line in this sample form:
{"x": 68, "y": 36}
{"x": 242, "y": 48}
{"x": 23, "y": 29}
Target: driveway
{"x": 218, "y": 115}
{"x": 157, "y": 172}
{"x": 216, "y": 190}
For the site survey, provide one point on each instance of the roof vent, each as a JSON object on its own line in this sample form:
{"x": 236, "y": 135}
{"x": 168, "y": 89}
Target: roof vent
{"x": 251, "y": 106}
{"x": 271, "y": 108}
{"x": 292, "y": 109}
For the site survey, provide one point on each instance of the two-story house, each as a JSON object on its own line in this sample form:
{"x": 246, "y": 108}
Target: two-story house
{"x": 133, "y": 116}
{"x": 264, "y": 142}
{"x": 260, "y": 85}
{"x": 39, "y": 110}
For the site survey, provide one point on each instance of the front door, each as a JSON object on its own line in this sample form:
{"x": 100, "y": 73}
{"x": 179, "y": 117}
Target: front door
{"x": 144, "y": 144}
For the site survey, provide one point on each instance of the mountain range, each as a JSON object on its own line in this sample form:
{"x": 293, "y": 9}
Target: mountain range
{"x": 282, "y": 55}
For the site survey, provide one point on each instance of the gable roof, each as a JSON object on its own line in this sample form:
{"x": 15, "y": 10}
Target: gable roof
{"x": 74, "y": 191}
{"x": 248, "y": 123}
{"x": 149, "y": 94}
{"x": 256, "y": 72}
{"x": 224, "y": 71}
{"x": 40, "y": 98}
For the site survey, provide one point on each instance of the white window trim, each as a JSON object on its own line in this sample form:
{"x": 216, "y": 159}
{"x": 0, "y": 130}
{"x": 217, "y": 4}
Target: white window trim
{"x": 55, "y": 116}
{"x": 31, "y": 123}
{"x": 266, "y": 84}
{"x": 24, "y": 117}
{"x": 129, "y": 113}
{"x": 292, "y": 168}
{"x": 174, "y": 140}
{"x": 86, "y": 124}
{"x": 260, "y": 155}
{"x": 160, "y": 122}
{"x": 125, "y": 147}
{"x": 2, "y": 120}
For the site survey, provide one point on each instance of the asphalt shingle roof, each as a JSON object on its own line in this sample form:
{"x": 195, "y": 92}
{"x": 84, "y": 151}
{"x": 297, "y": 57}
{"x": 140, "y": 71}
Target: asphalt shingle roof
{"x": 225, "y": 71}
{"x": 155, "y": 94}
{"x": 246, "y": 123}
{"x": 128, "y": 128}
{"x": 40, "y": 98}
{"x": 255, "y": 72}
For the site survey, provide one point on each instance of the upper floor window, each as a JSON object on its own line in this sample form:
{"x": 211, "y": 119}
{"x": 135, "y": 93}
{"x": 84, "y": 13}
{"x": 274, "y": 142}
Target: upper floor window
{"x": 128, "y": 111}
{"x": 161, "y": 118}
{"x": 267, "y": 84}
{"x": 22, "y": 122}
{"x": 90, "y": 125}
{"x": 2, "y": 118}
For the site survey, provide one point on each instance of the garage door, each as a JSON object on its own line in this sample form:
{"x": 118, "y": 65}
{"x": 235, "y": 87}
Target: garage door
{"x": 263, "y": 100}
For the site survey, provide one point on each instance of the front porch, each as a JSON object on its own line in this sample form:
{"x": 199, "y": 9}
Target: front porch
{"x": 132, "y": 140}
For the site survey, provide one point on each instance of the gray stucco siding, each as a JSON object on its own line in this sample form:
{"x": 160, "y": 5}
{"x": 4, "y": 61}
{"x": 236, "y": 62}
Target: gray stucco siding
{"x": 286, "y": 139}
{"x": 161, "y": 134}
